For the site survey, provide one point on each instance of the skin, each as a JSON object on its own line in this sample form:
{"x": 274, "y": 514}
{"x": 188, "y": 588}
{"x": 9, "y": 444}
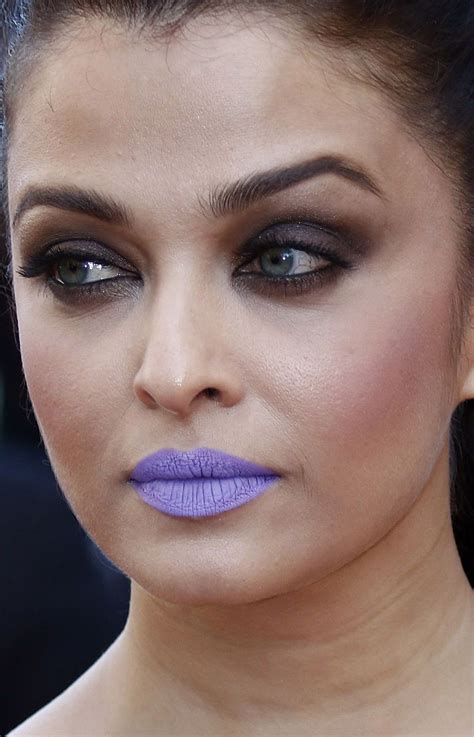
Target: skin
{"x": 336, "y": 603}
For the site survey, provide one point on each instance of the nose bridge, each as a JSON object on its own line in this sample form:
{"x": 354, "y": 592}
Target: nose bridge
{"x": 186, "y": 351}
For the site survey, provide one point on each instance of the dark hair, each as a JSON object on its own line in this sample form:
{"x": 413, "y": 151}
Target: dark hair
{"x": 420, "y": 53}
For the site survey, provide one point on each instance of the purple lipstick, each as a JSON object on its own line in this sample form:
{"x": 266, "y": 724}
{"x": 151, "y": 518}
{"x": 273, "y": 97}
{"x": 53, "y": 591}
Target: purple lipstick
{"x": 198, "y": 483}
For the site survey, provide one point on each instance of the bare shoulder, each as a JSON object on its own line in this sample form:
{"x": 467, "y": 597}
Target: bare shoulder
{"x": 74, "y": 713}
{"x": 53, "y": 720}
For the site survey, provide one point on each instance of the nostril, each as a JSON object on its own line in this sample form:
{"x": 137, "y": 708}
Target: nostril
{"x": 211, "y": 393}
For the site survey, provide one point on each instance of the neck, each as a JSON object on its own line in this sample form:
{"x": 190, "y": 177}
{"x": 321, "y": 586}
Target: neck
{"x": 386, "y": 625}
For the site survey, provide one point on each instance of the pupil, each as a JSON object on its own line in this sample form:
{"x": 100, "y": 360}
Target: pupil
{"x": 72, "y": 271}
{"x": 279, "y": 258}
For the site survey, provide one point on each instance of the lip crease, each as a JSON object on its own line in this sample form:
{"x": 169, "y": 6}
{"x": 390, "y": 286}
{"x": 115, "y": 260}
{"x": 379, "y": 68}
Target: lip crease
{"x": 198, "y": 483}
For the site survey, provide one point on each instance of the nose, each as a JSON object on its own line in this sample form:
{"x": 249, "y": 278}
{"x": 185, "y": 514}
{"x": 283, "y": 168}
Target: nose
{"x": 186, "y": 354}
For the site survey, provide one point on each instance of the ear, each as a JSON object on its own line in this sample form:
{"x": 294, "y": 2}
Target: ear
{"x": 467, "y": 363}
{"x": 467, "y": 391}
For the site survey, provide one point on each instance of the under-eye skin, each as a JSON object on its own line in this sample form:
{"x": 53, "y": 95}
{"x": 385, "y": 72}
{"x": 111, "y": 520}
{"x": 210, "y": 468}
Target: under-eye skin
{"x": 301, "y": 255}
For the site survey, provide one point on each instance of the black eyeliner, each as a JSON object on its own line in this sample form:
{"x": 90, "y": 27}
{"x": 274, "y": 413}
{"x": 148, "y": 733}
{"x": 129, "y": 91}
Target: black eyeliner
{"x": 312, "y": 238}
{"x": 83, "y": 248}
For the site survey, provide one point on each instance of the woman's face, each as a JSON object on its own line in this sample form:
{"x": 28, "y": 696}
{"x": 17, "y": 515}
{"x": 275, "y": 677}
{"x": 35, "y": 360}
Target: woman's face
{"x": 343, "y": 385}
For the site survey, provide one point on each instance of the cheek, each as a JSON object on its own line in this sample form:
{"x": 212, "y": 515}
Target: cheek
{"x": 362, "y": 376}
{"x": 384, "y": 381}
{"x": 78, "y": 389}
{"x": 394, "y": 382}
{"x": 370, "y": 411}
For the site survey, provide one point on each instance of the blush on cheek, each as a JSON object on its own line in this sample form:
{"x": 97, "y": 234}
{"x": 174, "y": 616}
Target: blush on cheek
{"x": 390, "y": 384}
{"x": 69, "y": 397}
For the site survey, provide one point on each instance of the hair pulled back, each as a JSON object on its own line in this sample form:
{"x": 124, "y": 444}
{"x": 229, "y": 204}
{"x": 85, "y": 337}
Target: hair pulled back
{"x": 419, "y": 53}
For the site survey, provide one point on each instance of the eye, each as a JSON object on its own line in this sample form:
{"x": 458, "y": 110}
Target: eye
{"x": 82, "y": 270}
{"x": 291, "y": 258}
{"x": 288, "y": 261}
{"x": 71, "y": 271}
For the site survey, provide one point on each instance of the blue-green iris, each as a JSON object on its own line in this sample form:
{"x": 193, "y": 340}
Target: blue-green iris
{"x": 277, "y": 257}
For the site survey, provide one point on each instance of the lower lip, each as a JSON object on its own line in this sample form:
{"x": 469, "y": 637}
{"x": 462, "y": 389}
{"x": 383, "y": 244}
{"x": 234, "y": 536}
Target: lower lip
{"x": 202, "y": 497}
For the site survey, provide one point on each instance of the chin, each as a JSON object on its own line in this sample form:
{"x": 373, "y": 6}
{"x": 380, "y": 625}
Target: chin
{"x": 209, "y": 589}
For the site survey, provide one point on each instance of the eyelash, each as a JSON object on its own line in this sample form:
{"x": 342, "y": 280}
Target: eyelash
{"x": 41, "y": 265}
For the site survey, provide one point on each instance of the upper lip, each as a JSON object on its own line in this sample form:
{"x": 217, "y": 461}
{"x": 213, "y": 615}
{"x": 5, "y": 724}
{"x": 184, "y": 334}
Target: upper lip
{"x": 199, "y": 463}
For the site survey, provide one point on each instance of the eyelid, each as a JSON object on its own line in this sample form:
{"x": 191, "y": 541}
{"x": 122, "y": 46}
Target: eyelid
{"x": 88, "y": 250}
{"x": 299, "y": 235}
{"x": 82, "y": 244}
{"x": 296, "y": 224}
{"x": 294, "y": 229}
{"x": 81, "y": 249}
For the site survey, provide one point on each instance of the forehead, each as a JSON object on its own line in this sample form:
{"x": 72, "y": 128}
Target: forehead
{"x": 220, "y": 100}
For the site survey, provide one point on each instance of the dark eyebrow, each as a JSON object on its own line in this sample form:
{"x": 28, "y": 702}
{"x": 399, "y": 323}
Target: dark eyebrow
{"x": 223, "y": 200}
{"x": 75, "y": 199}
{"x": 235, "y": 197}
